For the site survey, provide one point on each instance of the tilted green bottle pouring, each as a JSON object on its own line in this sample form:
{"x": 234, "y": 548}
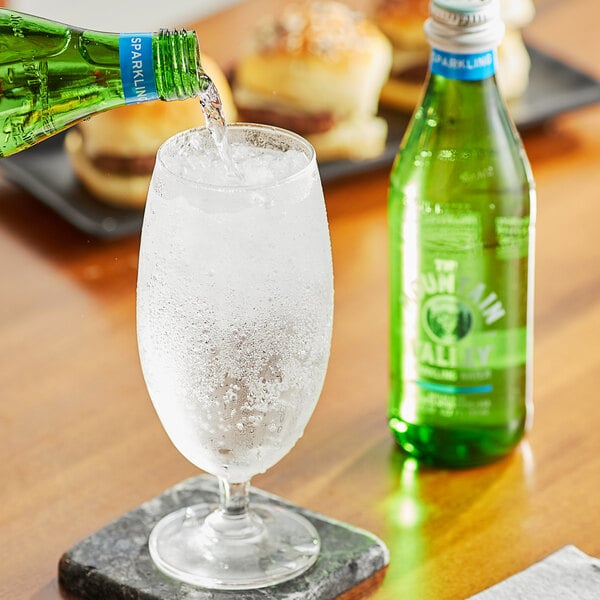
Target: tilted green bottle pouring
{"x": 53, "y": 75}
{"x": 461, "y": 219}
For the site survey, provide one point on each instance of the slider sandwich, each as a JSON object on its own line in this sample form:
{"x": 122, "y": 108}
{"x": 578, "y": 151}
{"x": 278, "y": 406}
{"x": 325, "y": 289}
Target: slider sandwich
{"x": 402, "y": 22}
{"x": 317, "y": 69}
{"x": 514, "y": 63}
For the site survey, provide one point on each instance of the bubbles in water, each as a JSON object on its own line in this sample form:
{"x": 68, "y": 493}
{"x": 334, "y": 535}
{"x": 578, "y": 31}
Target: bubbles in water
{"x": 224, "y": 162}
{"x": 230, "y": 395}
{"x": 234, "y": 305}
{"x": 261, "y": 199}
{"x": 263, "y": 169}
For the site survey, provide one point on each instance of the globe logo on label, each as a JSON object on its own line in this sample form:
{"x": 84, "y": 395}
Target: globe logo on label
{"x": 446, "y": 319}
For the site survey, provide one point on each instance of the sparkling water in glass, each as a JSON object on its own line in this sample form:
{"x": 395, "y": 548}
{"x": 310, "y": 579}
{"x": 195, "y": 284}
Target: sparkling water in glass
{"x": 234, "y": 312}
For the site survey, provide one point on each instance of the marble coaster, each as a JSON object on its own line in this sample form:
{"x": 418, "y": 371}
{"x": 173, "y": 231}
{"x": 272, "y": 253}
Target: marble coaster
{"x": 115, "y": 563}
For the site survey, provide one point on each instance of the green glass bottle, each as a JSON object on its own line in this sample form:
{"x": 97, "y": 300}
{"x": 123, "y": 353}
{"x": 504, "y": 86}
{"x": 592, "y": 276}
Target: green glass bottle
{"x": 461, "y": 225}
{"x": 53, "y": 75}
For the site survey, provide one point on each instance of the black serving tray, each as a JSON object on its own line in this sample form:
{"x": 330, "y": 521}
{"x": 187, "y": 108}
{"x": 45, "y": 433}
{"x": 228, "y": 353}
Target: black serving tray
{"x": 44, "y": 170}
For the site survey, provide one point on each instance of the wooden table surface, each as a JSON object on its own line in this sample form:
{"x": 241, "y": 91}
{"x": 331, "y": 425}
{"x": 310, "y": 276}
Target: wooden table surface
{"x": 80, "y": 443}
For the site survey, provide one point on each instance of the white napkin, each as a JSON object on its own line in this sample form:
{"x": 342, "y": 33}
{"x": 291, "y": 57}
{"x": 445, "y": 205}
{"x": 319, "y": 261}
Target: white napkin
{"x": 567, "y": 574}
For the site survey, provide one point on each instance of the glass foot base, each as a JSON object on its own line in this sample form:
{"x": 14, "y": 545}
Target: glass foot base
{"x": 202, "y": 546}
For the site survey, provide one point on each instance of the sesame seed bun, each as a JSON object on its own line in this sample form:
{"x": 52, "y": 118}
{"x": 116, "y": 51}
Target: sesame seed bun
{"x": 317, "y": 68}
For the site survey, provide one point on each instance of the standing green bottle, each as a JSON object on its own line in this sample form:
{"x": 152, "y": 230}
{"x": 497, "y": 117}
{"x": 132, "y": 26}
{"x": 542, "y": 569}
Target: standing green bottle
{"x": 462, "y": 219}
{"x": 53, "y": 75}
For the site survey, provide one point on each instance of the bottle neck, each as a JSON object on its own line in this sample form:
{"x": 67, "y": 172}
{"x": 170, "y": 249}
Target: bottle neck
{"x": 464, "y": 40}
{"x": 179, "y": 72}
{"x": 467, "y": 106}
{"x": 164, "y": 65}
{"x": 462, "y": 90}
{"x": 472, "y": 66}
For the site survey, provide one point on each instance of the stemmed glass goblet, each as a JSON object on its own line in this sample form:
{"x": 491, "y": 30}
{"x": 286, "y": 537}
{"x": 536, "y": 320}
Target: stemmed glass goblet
{"x": 234, "y": 313}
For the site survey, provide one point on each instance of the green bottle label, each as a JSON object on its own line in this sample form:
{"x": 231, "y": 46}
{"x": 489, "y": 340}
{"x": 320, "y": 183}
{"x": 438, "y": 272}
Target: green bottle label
{"x": 462, "y": 331}
{"x": 137, "y": 67}
{"x": 464, "y": 67}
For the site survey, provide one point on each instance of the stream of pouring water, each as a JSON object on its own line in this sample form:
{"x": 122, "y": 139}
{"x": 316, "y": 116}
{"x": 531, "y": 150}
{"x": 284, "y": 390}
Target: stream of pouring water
{"x": 216, "y": 123}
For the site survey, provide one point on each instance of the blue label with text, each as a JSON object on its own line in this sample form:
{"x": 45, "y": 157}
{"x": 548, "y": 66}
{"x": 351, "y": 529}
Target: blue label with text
{"x": 464, "y": 67}
{"x": 137, "y": 67}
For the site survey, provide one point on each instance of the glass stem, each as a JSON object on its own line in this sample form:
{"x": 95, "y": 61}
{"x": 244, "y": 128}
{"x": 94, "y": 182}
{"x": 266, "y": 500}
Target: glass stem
{"x": 233, "y": 519}
{"x": 234, "y": 497}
